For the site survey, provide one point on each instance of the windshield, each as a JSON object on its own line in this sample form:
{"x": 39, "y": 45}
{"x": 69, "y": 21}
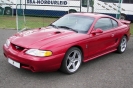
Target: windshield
{"x": 78, "y": 23}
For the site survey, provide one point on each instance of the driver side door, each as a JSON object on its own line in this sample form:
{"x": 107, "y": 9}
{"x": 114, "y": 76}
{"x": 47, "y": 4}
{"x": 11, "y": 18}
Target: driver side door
{"x": 99, "y": 43}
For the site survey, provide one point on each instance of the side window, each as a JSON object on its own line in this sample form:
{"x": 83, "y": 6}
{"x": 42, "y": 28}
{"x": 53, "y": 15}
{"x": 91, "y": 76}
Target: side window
{"x": 84, "y": 3}
{"x": 104, "y": 24}
{"x": 115, "y": 24}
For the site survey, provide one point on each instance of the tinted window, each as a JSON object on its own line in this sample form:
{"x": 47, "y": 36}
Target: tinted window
{"x": 115, "y": 24}
{"x": 104, "y": 24}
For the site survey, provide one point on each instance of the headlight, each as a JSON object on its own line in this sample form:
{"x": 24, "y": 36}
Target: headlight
{"x": 36, "y": 52}
{"x": 7, "y": 43}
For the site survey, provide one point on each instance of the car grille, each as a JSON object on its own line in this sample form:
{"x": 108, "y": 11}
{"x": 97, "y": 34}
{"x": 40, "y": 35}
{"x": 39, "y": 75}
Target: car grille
{"x": 16, "y": 47}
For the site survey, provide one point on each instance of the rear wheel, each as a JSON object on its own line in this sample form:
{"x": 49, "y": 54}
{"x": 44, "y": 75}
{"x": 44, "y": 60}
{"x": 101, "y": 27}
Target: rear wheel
{"x": 8, "y": 11}
{"x": 72, "y": 61}
{"x": 123, "y": 44}
{"x": 123, "y": 17}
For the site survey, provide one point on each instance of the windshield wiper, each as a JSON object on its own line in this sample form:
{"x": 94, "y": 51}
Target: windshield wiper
{"x": 53, "y": 26}
{"x": 67, "y": 28}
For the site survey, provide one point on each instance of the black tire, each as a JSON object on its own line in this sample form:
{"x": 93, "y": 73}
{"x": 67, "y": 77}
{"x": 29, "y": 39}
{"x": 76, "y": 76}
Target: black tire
{"x": 122, "y": 45}
{"x": 72, "y": 11}
{"x": 1, "y": 11}
{"x": 123, "y": 17}
{"x": 71, "y": 61}
{"x": 8, "y": 11}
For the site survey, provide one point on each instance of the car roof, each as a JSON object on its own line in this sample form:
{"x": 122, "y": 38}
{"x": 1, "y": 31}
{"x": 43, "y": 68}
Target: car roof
{"x": 94, "y": 15}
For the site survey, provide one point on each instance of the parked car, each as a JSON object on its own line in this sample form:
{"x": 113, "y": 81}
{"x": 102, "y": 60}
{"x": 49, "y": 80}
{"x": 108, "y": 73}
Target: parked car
{"x": 67, "y": 42}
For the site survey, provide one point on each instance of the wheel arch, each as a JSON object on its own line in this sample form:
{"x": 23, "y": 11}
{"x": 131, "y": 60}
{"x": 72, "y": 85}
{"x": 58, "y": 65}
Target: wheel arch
{"x": 122, "y": 36}
{"x": 119, "y": 40}
{"x": 79, "y": 47}
{"x": 123, "y": 14}
{"x": 8, "y": 7}
{"x": 126, "y": 36}
{"x": 72, "y": 10}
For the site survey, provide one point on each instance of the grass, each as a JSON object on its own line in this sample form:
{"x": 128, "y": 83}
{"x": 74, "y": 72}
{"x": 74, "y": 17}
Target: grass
{"x": 9, "y": 22}
{"x": 131, "y": 28}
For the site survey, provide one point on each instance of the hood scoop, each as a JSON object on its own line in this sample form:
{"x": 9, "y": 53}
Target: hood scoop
{"x": 57, "y": 32}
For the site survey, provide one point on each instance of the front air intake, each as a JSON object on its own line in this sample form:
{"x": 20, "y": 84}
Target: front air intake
{"x": 16, "y": 47}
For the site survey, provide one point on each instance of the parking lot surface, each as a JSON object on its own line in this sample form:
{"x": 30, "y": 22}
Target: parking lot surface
{"x": 109, "y": 71}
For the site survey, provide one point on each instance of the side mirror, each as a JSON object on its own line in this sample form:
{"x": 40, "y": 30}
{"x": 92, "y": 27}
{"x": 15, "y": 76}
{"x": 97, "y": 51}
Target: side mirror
{"x": 98, "y": 30}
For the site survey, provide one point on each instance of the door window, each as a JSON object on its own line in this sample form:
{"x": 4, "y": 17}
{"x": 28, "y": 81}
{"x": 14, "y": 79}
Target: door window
{"x": 104, "y": 24}
{"x": 115, "y": 24}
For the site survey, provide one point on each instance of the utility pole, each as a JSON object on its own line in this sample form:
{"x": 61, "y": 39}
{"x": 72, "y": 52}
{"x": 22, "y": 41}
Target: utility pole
{"x": 119, "y": 9}
{"x": 88, "y": 5}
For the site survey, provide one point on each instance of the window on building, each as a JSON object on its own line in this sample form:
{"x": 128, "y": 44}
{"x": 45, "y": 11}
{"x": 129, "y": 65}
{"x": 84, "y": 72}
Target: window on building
{"x": 84, "y": 3}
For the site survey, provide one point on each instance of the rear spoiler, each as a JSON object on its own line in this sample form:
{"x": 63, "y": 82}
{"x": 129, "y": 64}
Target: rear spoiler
{"x": 125, "y": 22}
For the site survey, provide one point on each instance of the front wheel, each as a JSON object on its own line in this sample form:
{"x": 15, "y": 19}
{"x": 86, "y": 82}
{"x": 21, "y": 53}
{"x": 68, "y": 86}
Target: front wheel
{"x": 123, "y": 44}
{"x": 72, "y": 61}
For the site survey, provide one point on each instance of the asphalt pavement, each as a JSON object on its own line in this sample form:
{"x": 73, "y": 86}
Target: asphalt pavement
{"x": 109, "y": 71}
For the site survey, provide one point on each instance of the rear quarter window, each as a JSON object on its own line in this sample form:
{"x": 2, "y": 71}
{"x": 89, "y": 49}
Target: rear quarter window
{"x": 115, "y": 23}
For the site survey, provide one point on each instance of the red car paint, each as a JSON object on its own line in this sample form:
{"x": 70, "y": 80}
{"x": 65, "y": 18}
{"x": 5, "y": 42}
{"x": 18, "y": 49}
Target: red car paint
{"x": 59, "y": 41}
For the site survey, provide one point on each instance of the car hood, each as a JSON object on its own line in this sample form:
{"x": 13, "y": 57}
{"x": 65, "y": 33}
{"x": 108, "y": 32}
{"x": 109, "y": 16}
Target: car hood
{"x": 39, "y": 37}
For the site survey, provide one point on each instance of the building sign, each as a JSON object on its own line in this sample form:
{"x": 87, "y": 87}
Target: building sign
{"x": 48, "y": 2}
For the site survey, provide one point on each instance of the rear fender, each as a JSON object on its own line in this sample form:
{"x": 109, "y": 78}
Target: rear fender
{"x": 128, "y": 24}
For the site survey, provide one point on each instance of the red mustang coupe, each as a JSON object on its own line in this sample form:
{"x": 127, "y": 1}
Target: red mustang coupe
{"x": 67, "y": 42}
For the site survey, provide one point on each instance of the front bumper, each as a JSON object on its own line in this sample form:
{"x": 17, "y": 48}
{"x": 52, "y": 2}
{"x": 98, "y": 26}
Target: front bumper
{"x": 35, "y": 64}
